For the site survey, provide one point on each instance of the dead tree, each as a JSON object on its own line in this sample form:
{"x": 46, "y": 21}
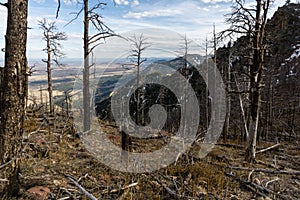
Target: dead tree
{"x": 185, "y": 49}
{"x": 186, "y": 73}
{"x": 251, "y": 22}
{"x": 228, "y": 97}
{"x": 90, "y": 42}
{"x": 53, "y": 49}
{"x": 139, "y": 45}
{"x": 13, "y": 95}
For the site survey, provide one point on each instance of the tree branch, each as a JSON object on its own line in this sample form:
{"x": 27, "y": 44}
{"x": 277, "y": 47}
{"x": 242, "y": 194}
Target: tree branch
{"x": 58, "y": 8}
{"x": 269, "y": 148}
{"x": 86, "y": 193}
{"x": 76, "y": 17}
{"x": 4, "y": 4}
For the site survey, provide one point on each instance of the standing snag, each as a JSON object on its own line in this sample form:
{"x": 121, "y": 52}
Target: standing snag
{"x": 251, "y": 23}
{"x": 139, "y": 45}
{"x": 90, "y": 42}
{"x": 53, "y": 50}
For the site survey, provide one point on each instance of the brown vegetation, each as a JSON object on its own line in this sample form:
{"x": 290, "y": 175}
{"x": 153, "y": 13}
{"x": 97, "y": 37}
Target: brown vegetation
{"x": 57, "y": 161}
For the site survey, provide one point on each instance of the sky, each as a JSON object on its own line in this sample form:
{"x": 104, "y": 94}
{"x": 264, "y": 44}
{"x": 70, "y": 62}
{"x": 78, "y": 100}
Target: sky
{"x": 193, "y": 18}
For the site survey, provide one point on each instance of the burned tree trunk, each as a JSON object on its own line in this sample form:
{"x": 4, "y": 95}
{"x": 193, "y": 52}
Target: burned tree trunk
{"x": 251, "y": 22}
{"x": 13, "y": 89}
{"x": 91, "y": 14}
{"x": 53, "y": 51}
{"x": 256, "y": 75}
{"x": 139, "y": 46}
{"x": 86, "y": 71}
{"x": 51, "y": 102}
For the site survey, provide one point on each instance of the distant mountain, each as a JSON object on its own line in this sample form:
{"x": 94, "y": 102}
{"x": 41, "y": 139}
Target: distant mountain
{"x": 164, "y": 66}
{"x": 192, "y": 59}
{"x": 152, "y": 93}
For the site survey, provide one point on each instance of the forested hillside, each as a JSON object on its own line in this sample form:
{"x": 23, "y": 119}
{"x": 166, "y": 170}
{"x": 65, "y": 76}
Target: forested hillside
{"x": 281, "y": 96}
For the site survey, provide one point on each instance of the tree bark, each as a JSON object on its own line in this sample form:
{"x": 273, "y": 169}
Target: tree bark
{"x": 256, "y": 77}
{"x": 86, "y": 70}
{"x": 137, "y": 87}
{"x": 51, "y": 102}
{"x": 228, "y": 100}
{"x": 13, "y": 89}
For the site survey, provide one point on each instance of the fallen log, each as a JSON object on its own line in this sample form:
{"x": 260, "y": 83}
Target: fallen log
{"x": 269, "y": 148}
{"x": 258, "y": 189}
{"x": 271, "y": 171}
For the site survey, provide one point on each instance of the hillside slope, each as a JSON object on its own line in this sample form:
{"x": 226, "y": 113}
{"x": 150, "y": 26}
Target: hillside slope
{"x": 280, "y": 96}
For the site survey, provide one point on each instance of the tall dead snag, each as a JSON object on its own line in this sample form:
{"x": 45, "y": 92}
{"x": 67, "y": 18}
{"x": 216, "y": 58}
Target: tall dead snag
{"x": 90, "y": 42}
{"x": 186, "y": 73}
{"x": 251, "y": 22}
{"x": 13, "y": 95}
{"x": 256, "y": 74}
{"x": 86, "y": 70}
{"x": 53, "y": 50}
{"x": 139, "y": 45}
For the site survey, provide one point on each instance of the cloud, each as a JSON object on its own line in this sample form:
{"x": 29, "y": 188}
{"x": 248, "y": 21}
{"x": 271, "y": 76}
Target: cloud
{"x": 191, "y": 17}
{"x": 188, "y": 17}
{"x": 122, "y": 2}
{"x": 127, "y": 2}
{"x": 216, "y": 1}
{"x": 33, "y": 21}
{"x": 135, "y": 2}
{"x": 206, "y": 9}
{"x": 39, "y": 1}
{"x": 69, "y": 2}
{"x": 153, "y": 13}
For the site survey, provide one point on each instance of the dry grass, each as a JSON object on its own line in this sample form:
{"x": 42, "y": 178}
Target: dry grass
{"x": 49, "y": 156}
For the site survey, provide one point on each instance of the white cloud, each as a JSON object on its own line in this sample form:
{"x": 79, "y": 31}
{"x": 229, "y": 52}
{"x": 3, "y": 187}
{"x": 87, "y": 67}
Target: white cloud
{"x": 206, "y": 9}
{"x": 70, "y": 2}
{"x": 127, "y": 2}
{"x": 39, "y": 1}
{"x": 135, "y": 2}
{"x": 122, "y": 2}
{"x": 226, "y": 10}
{"x": 216, "y": 1}
{"x": 153, "y": 13}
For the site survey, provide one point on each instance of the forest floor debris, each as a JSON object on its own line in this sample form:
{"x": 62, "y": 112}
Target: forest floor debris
{"x": 223, "y": 174}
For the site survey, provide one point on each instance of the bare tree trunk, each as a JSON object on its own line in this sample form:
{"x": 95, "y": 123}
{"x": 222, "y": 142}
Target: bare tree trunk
{"x": 13, "y": 86}
{"x": 86, "y": 71}
{"x": 228, "y": 100}
{"x": 137, "y": 86}
{"x": 256, "y": 77}
{"x": 1, "y": 77}
{"x": 26, "y": 86}
{"x": 242, "y": 110}
{"x": 51, "y": 103}
{"x": 214, "y": 90}
{"x": 206, "y": 89}
{"x": 139, "y": 45}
